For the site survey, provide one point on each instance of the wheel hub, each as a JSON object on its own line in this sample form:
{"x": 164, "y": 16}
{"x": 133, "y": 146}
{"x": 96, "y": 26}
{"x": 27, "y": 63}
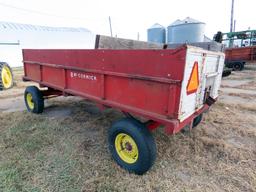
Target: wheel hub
{"x": 126, "y": 148}
{"x": 30, "y": 101}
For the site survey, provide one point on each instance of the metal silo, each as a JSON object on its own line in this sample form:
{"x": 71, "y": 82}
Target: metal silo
{"x": 188, "y": 30}
{"x": 156, "y": 33}
{"x": 170, "y": 30}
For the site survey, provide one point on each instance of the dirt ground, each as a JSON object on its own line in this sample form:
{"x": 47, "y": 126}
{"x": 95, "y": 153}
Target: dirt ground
{"x": 65, "y": 148}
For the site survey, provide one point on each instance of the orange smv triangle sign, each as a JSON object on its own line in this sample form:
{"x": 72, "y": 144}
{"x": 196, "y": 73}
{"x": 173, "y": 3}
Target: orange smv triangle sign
{"x": 193, "y": 81}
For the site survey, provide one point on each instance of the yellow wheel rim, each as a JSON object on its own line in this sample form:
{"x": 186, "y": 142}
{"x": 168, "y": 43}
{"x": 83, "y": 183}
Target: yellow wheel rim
{"x": 6, "y": 75}
{"x": 126, "y": 148}
{"x": 30, "y": 101}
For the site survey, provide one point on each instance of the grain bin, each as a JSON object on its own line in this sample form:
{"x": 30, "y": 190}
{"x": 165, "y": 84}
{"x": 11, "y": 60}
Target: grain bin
{"x": 156, "y": 33}
{"x": 187, "y": 30}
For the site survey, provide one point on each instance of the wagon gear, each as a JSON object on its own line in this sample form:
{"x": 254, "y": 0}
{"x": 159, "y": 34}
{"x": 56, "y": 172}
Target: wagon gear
{"x": 167, "y": 87}
{"x": 6, "y": 76}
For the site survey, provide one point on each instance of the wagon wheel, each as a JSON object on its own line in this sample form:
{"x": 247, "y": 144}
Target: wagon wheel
{"x": 6, "y": 76}
{"x": 34, "y": 100}
{"x": 132, "y": 146}
{"x": 197, "y": 120}
{"x": 238, "y": 66}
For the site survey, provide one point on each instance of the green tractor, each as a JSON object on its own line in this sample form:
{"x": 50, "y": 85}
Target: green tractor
{"x": 6, "y": 76}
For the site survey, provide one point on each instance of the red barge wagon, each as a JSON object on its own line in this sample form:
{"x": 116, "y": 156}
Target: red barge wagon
{"x": 169, "y": 87}
{"x": 236, "y": 58}
{"x": 241, "y": 53}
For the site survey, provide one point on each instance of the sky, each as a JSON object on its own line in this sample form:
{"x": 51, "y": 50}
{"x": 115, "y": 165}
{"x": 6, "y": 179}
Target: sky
{"x": 128, "y": 17}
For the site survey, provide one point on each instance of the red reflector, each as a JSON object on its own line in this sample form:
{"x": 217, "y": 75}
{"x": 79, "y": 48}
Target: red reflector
{"x": 193, "y": 82}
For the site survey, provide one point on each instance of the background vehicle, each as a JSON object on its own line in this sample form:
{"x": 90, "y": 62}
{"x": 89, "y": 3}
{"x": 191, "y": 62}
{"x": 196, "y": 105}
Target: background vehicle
{"x": 6, "y": 76}
{"x": 236, "y": 58}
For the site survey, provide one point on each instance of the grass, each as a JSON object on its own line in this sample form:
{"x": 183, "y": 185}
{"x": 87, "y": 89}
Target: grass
{"x": 44, "y": 153}
{"x": 28, "y": 146}
{"x": 68, "y": 152}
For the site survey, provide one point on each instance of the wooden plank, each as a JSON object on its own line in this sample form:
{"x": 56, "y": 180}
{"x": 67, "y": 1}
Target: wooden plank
{"x": 211, "y": 46}
{"x": 106, "y": 42}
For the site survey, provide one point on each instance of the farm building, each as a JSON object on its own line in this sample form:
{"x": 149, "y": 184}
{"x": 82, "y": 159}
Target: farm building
{"x": 14, "y": 37}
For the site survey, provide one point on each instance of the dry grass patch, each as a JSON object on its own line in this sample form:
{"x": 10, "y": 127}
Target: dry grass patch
{"x": 70, "y": 153}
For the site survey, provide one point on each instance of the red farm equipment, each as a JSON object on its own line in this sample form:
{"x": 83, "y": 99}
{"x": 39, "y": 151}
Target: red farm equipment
{"x": 168, "y": 87}
{"x": 236, "y": 58}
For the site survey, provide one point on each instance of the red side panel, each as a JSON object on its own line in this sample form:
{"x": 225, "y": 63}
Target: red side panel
{"x": 156, "y": 63}
{"x": 150, "y": 96}
{"x": 33, "y": 71}
{"x": 89, "y": 83}
{"x": 144, "y": 82}
{"x": 53, "y": 76}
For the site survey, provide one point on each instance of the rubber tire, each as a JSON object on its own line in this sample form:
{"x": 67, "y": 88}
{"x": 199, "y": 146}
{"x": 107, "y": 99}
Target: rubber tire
{"x": 2, "y": 64}
{"x": 238, "y": 67}
{"x": 197, "y": 120}
{"x": 37, "y": 99}
{"x": 144, "y": 140}
{"x": 226, "y": 72}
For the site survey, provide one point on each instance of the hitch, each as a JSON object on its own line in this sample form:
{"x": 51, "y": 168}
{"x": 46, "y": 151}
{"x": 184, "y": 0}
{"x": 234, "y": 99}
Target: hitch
{"x": 209, "y": 101}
